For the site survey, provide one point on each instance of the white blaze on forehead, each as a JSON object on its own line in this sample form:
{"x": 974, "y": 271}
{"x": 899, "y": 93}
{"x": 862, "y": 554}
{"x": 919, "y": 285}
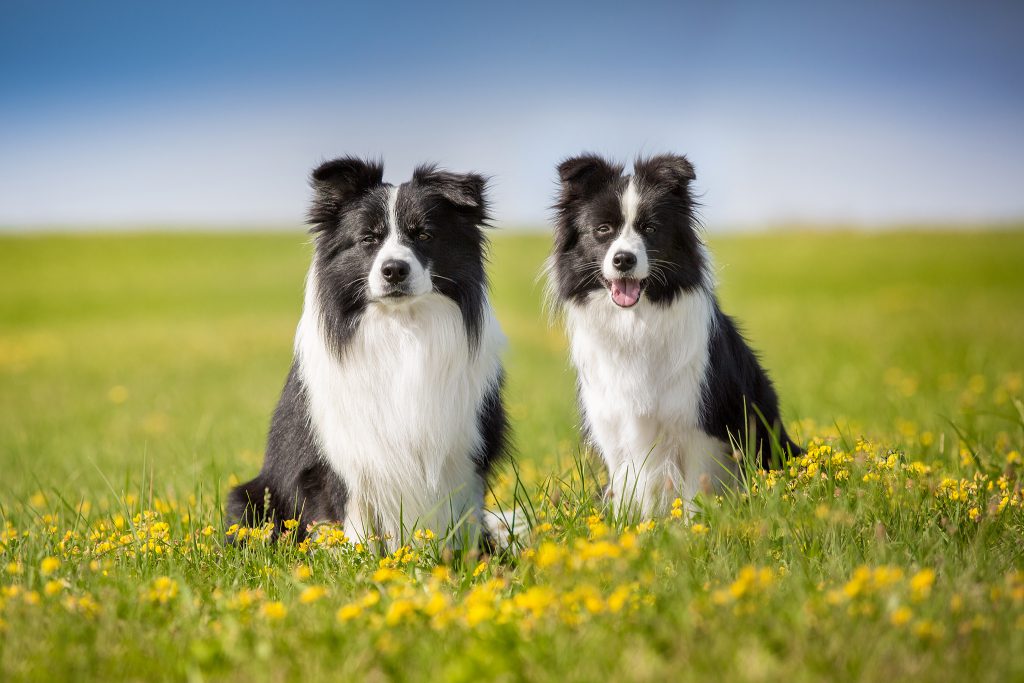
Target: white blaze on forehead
{"x": 629, "y": 240}
{"x": 394, "y": 248}
{"x": 392, "y": 210}
{"x": 630, "y": 203}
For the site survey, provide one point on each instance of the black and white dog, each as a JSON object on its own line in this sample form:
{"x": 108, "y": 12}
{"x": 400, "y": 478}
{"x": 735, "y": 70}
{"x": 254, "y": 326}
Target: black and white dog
{"x": 392, "y": 415}
{"x": 666, "y": 383}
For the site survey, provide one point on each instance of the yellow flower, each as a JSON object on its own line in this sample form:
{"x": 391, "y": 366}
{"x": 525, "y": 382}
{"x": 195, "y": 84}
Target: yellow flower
{"x": 974, "y": 513}
{"x": 385, "y": 574}
{"x": 900, "y": 616}
{"x": 14, "y": 568}
{"x": 349, "y": 612}
{"x": 921, "y": 584}
{"x": 163, "y": 590}
{"x": 53, "y": 587}
{"x": 49, "y": 566}
{"x": 397, "y": 611}
{"x": 699, "y": 529}
{"x": 549, "y": 554}
{"x": 535, "y": 600}
{"x": 311, "y": 594}
{"x": 618, "y": 598}
{"x": 208, "y": 531}
{"x": 480, "y": 569}
{"x": 290, "y": 524}
{"x": 274, "y": 611}
{"x": 302, "y": 572}
{"x": 596, "y": 550}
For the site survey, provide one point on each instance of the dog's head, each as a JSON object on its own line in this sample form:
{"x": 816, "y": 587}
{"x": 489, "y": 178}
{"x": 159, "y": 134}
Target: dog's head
{"x": 389, "y": 245}
{"x": 634, "y": 235}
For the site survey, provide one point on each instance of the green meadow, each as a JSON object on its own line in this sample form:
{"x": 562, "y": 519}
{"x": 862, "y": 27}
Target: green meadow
{"x": 137, "y": 377}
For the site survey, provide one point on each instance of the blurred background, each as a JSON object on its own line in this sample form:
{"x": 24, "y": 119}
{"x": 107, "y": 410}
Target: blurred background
{"x": 153, "y": 184}
{"x": 127, "y": 114}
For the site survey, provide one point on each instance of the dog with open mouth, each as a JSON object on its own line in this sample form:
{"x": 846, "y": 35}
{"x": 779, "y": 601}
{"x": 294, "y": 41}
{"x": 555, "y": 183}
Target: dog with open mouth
{"x": 392, "y": 417}
{"x": 670, "y": 394}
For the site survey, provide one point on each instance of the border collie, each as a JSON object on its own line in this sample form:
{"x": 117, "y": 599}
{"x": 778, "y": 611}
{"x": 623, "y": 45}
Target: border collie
{"x": 391, "y": 417}
{"x": 667, "y": 386}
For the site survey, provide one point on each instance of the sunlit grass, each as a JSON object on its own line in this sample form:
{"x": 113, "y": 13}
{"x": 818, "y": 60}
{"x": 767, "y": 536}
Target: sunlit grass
{"x": 137, "y": 375}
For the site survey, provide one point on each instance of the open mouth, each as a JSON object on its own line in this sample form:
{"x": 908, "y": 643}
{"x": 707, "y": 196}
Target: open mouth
{"x": 625, "y": 291}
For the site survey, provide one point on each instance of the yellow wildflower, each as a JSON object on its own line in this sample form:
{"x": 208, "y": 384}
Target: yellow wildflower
{"x": 349, "y": 612}
{"x": 549, "y": 554}
{"x": 49, "y": 566}
{"x": 275, "y": 611}
{"x": 311, "y": 594}
{"x": 385, "y": 574}
{"x": 53, "y": 587}
{"x": 480, "y": 569}
{"x": 535, "y": 600}
{"x": 162, "y": 590}
{"x": 921, "y": 584}
{"x": 900, "y": 616}
{"x": 397, "y": 611}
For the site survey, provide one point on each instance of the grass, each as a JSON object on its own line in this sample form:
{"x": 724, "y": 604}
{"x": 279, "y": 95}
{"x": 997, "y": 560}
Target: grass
{"x": 137, "y": 375}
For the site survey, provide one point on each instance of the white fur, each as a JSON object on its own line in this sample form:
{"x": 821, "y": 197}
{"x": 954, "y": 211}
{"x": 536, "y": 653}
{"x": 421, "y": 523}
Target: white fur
{"x": 419, "y": 277}
{"x": 641, "y": 374}
{"x": 629, "y": 240}
{"x": 396, "y": 414}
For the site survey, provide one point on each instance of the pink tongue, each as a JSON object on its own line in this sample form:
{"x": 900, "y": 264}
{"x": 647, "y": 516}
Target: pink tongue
{"x": 625, "y": 292}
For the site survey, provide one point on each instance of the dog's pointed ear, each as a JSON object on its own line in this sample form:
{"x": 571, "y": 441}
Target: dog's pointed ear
{"x": 464, "y": 190}
{"x": 673, "y": 172}
{"x": 582, "y": 173}
{"x": 336, "y": 183}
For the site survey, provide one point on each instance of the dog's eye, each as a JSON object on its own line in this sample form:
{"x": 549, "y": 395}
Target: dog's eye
{"x": 650, "y": 229}
{"x": 603, "y": 229}
{"x": 424, "y": 236}
{"x": 370, "y": 240}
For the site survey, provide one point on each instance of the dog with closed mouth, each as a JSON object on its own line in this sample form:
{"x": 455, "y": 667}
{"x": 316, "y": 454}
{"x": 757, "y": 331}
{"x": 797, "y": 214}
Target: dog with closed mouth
{"x": 670, "y": 393}
{"x": 391, "y": 417}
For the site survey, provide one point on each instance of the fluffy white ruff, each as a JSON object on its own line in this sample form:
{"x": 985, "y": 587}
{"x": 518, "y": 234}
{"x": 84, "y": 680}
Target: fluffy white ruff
{"x": 641, "y": 374}
{"x": 396, "y": 415}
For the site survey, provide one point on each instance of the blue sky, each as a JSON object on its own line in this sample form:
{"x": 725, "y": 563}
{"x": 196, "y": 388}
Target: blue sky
{"x": 213, "y": 113}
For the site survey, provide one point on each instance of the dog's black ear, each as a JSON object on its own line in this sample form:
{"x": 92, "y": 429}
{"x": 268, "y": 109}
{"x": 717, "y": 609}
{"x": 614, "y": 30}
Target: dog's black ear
{"x": 461, "y": 189}
{"x": 582, "y": 173}
{"x": 466, "y": 192}
{"x": 336, "y": 183}
{"x": 673, "y": 172}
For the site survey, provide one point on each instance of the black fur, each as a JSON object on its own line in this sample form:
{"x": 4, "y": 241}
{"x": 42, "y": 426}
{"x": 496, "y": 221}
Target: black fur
{"x": 348, "y": 221}
{"x": 737, "y": 387}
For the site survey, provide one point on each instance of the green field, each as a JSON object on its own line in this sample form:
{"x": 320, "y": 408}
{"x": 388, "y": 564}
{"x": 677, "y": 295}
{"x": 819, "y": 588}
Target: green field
{"x": 138, "y": 373}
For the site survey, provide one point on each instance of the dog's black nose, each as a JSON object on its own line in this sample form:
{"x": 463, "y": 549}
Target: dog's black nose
{"x": 624, "y": 261}
{"x": 395, "y": 271}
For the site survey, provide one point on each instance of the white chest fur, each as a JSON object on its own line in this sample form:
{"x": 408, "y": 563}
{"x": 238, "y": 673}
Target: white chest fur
{"x": 396, "y": 415}
{"x": 642, "y": 372}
